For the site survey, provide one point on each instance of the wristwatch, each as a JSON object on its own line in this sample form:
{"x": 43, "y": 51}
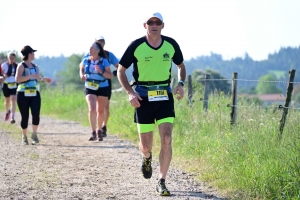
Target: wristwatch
{"x": 182, "y": 82}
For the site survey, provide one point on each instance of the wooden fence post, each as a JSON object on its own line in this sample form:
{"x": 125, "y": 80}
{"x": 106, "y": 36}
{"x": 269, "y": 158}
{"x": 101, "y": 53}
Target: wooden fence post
{"x": 190, "y": 90}
{"x": 206, "y": 92}
{"x": 233, "y": 99}
{"x": 287, "y": 102}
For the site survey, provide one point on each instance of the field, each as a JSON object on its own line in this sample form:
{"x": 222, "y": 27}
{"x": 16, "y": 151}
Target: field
{"x": 243, "y": 161}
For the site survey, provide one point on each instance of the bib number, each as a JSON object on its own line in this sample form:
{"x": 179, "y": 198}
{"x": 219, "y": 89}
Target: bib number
{"x": 30, "y": 92}
{"x": 91, "y": 85}
{"x": 158, "y": 95}
{"x": 12, "y": 85}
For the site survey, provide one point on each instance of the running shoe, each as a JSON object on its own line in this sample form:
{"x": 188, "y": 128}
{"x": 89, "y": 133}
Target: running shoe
{"x": 34, "y": 138}
{"x": 94, "y": 137}
{"x": 161, "y": 188}
{"x": 24, "y": 140}
{"x": 7, "y": 115}
{"x": 100, "y": 138}
{"x": 103, "y": 133}
{"x": 146, "y": 167}
{"x": 12, "y": 121}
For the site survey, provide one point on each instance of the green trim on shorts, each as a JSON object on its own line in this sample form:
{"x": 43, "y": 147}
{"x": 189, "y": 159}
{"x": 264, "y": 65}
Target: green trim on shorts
{"x": 145, "y": 128}
{"x": 164, "y": 120}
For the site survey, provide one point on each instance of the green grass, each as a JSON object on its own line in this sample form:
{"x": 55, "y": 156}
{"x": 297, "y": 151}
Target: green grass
{"x": 244, "y": 161}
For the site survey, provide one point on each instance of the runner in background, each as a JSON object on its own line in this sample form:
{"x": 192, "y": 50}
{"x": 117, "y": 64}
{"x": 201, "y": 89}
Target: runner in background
{"x": 9, "y": 86}
{"x": 95, "y": 72}
{"x": 28, "y": 95}
{"x": 113, "y": 60}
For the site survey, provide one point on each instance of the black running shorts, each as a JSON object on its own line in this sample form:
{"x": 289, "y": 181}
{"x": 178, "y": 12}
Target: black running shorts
{"x": 149, "y": 112}
{"x": 102, "y": 91}
{"x": 7, "y": 92}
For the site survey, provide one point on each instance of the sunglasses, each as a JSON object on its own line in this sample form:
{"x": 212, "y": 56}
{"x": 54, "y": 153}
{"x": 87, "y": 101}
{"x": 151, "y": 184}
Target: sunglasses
{"x": 151, "y": 23}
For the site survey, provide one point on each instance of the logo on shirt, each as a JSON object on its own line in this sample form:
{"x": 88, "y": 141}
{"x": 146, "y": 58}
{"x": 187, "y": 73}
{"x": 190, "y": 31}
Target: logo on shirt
{"x": 166, "y": 57}
{"x": 147, "y": 58}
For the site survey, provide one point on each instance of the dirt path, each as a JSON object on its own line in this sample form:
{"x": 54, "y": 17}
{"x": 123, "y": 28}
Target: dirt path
{"x": 67, "y": 166}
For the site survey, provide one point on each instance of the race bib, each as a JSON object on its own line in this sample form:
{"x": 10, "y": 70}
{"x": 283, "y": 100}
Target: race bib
{"x": 91, "y": 85}
{"x": 12, "y": 85}
{"x": 157, "y": 95}
{"x": 30, "y": 92}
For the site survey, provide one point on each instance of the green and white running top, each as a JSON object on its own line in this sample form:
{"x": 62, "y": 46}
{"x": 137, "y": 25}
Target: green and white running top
{"x": 151, "y": 65}
{"x": 31, "y": 86}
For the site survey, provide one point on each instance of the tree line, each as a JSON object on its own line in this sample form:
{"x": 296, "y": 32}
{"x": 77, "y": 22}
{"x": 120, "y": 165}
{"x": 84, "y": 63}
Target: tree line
{"x": 274, "y": 68}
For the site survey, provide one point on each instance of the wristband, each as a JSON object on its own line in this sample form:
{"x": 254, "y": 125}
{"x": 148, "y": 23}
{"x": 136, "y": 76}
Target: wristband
{"x": 181, "y": 82}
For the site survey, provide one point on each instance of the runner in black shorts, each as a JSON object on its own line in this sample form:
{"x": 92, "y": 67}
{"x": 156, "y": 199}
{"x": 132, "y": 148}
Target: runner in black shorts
{"x": 95, "y": 70}
{"x": 152, "y": 98}
{"x": 9, "y": 87}
{"x": 112, "y": 59}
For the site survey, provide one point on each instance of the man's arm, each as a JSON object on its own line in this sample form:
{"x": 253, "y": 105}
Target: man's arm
{"x": 181, "y": 72}
{"x": 134, "y": 98}
{"x": 123, "y": 79}
{"x": 181, "y": 76}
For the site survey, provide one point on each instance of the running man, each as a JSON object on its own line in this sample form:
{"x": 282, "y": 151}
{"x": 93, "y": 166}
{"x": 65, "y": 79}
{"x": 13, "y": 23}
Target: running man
{"x": 113, "y": 60}
{"x": 152, "y": 97}
{"x": 9, "y": 87}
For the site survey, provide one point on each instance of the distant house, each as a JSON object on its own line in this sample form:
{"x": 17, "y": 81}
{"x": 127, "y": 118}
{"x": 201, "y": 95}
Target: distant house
{"x": 270, "y": 98}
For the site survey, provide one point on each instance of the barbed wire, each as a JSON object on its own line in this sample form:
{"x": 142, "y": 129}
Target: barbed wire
{"x": 248, "y": 106}
{"x": 247, "y": 80}
{"x": 279, "y": 107}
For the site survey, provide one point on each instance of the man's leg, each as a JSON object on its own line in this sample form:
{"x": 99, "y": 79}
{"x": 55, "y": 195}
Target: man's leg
{"x": 165, "y": 155}
{"x": 145, "y": 145}
{"x": 165, "y": 130}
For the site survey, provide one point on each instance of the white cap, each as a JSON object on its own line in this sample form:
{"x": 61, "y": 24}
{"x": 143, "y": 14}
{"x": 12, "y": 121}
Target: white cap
{"x": 157, "y": 15}
{"x": 99, "y": 38}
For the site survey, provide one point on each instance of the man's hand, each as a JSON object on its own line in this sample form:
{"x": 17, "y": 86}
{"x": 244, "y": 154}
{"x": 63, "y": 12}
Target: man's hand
{"x": 179, "y": 91}
{"x": 134, "y": 100}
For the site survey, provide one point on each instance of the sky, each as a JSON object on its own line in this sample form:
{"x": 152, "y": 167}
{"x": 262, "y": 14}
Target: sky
{"x": 227, "y": 27}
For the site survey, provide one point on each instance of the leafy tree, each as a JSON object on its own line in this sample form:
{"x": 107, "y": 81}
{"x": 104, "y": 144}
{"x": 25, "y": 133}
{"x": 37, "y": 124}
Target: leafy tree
{"x": 264, "y": 87}
{"x": 219, "y": 85}
{"x": 70, "y": 74}
{"x": 278, "y": 63}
